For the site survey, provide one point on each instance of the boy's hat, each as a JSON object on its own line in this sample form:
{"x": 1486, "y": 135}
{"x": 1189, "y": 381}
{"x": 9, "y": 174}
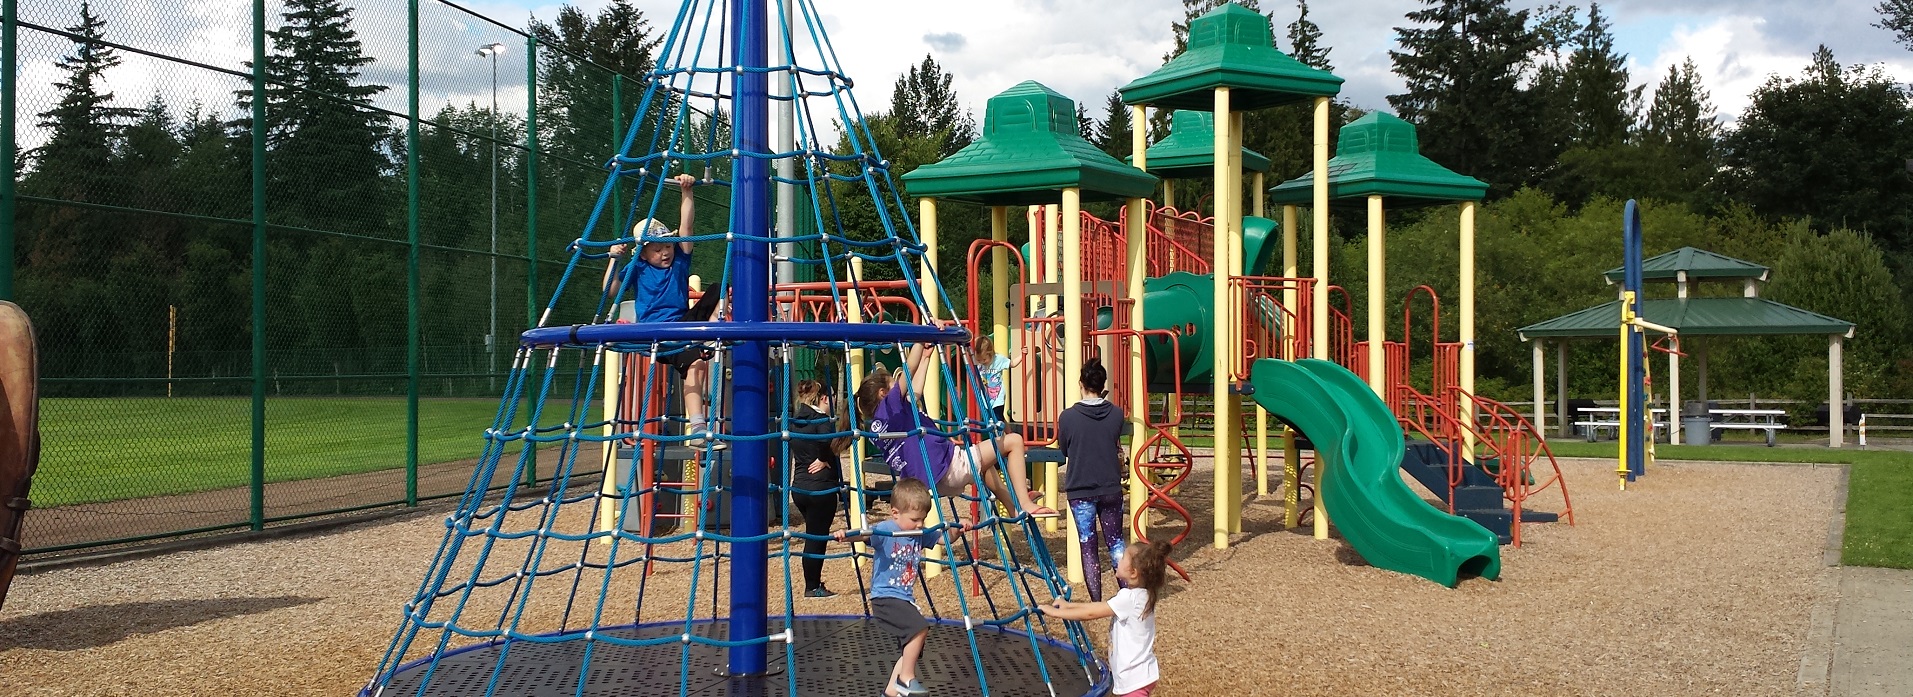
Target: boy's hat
{"x": 650, "y": 227}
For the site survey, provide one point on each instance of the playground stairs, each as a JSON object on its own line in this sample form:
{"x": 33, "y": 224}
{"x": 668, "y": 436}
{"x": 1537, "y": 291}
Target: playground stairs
{"x": 1477, "y": 497}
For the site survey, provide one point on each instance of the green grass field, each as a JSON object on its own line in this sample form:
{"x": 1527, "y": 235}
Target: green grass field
{"x": 103, "y": 449}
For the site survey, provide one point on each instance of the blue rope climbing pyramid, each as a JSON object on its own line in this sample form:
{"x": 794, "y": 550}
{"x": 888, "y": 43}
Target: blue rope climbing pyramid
{"x": 656, "y": 560}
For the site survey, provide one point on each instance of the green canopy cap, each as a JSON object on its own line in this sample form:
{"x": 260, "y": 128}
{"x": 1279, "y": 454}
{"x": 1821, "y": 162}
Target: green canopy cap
{"x": 1693, "y": 317}
{"x": 1697, "y": 263}
{"x": 1190, "y": 150}
{"x": 1378, "y": 155}
{"x": 1030, "y": 150}
{"x": 1233, "y": 47}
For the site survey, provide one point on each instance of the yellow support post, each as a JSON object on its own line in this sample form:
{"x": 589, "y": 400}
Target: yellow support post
{"x": 932, "y": 299}
{"x": 1468, "y": 326}
{"x": 1257, "y": 193}
{"x": 1000, "y": 281}
{"x": 1319, "y": 215}
{"x": 1137, "y": 250}
{"x": 1291, "y": 455}
{"x": 854, "y": 365}
{"x": 1073, "y": 340}
{"x": 1238, "y": 266}
{"x": 1627, "y": 358}
{"x": 608, "y": 486}
{"x": 1377, "y": 299}
{"x": 1228, "y": 469}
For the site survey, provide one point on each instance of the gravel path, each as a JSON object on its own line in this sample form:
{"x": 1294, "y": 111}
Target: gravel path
{"x": 1697, "y": 581}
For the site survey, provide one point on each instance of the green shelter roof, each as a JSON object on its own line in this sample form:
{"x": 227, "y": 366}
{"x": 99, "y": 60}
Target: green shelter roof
{"x": 1030, "y": 150}
{"x": 1697, "y": 263}
{"x": 1231, "y": 46}
{"x": 1693, "y": 317}
{"x": 1378, "y": 154}
{"x": 1190, "y": 150}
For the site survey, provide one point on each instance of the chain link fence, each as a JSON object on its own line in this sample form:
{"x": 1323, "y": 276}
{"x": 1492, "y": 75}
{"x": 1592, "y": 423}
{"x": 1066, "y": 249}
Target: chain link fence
{"x": 272, "y": 289}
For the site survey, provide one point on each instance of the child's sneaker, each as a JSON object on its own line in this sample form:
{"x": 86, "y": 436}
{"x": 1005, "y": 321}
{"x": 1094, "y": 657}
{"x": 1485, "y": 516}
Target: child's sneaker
{"x": 704, "y": 437}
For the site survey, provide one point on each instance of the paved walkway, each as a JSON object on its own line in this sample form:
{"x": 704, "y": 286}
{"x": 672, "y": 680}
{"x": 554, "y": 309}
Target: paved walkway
{"x": 1873, "y": 634}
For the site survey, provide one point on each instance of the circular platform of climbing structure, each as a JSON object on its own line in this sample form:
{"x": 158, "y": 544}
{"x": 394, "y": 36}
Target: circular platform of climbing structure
{"x": 835, "y": 656}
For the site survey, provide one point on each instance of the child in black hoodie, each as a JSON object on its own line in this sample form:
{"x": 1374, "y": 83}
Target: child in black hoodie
{"x": 1090, "y": 435}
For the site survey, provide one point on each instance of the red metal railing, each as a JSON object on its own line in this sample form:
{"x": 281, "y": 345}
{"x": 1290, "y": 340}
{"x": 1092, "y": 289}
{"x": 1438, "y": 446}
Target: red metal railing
{"x": 1269, "y": 330}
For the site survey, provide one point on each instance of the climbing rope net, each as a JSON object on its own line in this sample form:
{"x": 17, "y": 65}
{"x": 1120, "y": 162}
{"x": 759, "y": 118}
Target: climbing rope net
{"x": 658, "y": 558}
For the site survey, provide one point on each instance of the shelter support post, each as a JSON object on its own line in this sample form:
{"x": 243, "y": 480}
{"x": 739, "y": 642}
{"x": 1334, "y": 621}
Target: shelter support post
{"x": 999, "y": 282}
{"x": 1540, "y": 386}
{"x": 1836, "y": 392}
{"x": 1291, "y": 455}
{"x": 1467, "y": 329}
{"x": 1674, "y": 396}
{"x": 1700, "y": 369}
{"x": 1227, "y": 451}
{"x": 1073, "y": 337}
{"x": 933, "y": 383}
{"x": 1561, "y": 386}
{"x": 1377, "y": 299}
{"x": 1137, "y": 251}
{"x": 1319, "y": 242}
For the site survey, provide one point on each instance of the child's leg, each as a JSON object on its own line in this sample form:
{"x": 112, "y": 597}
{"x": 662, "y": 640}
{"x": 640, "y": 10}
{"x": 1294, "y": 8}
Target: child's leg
{"x": 991, "y": 462}
{"x": 697, "y": 379}
{"x": 1084, "y": 511}
{"x": 912, "y": 650}
{"x": 1109, "y": 512}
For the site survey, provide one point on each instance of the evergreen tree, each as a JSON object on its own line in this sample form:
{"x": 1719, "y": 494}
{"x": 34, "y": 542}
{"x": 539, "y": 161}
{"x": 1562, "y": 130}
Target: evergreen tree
{"x": 1114, "y": 136}
{"x": 1596, "y": 77}
{"x": 83, "y": 126}
{"x": 1682, "y": 117}
{"x": 1830, "y": 145}
{"x": 1464, "y": 62}
{"x": 1305, "y": 39}
{"x": 329, "y": 151}
{"x": 923, "y": 105}
{"x": 1085, "y": 126}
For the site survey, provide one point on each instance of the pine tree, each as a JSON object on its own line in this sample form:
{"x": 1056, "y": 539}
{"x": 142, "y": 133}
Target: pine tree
{"x": 1897, "y": 16}
{"x": 83, "y": 127}
{"x": 1085, "y": 126}
{"x": 1463, "y": 62}
{"x": 1305, "y": 39}
{"x": 1603, "y": 108}
{"x": 328, "y": 159}
{"x": 923, "y": 105}
{"x": 1682, "y": 117}
{"x": 1115, "y": 134}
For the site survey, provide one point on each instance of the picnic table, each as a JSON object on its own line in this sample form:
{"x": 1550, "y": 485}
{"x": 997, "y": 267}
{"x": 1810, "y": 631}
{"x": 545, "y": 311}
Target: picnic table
{"x": 1595, "y": 419}
{"x": 1769, "y": 420}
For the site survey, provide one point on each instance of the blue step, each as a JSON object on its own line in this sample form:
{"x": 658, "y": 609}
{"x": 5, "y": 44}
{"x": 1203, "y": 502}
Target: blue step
{"x": 1478, "y": 498}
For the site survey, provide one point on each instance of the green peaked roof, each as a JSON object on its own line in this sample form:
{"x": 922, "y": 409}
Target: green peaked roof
{"x": 1030, "y": 150}
{"x": 1233, "y": 47}
{"x": 1693, "y": 317}
{"x": 1698, "y": 263}
{"x": 1190, "y": 150}
{"x": 1378, "y": 155}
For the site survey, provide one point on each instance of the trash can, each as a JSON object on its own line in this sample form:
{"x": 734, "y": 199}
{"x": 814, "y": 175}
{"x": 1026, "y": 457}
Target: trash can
{"x": 1697, "y": 425}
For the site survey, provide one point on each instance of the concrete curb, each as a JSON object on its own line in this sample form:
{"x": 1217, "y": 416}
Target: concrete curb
{"x": 1815, "y": 677}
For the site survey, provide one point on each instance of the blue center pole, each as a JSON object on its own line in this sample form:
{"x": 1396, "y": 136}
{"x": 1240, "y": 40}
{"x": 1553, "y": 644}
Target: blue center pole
{"x": 750, "y": 400}
{"x": 1635, "y": 410}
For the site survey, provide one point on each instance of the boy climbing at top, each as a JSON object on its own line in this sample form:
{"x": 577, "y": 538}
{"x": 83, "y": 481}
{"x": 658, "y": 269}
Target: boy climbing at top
{"x": 913, "y": 450}
{"x": 661, "y": 293}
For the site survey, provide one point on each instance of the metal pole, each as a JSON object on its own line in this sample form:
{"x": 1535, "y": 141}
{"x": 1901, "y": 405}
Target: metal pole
{"x": 411, "y": 252}
{"x": 491, "y": 334}
{"x": 258, "y": 503}
{"x": 786, "y": 141}
{"x": 9, "y": 63}
{"x": 751, "y": 400}
{"x": 531, "y": 209}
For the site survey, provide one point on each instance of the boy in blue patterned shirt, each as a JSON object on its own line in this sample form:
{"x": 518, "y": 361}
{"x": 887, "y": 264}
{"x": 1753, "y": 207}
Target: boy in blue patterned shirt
{"x": 898, "y": 545}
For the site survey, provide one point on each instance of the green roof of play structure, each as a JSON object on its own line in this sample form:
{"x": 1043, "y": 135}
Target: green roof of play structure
{"x": 1693, "y": 317}
{"x": 1232, "y": 47}
{"x": 1378, "y": 155}
{"x": 1189, "y": 152}
{"x": 1030, "y": 150}
{"x": 1697, "y": 263}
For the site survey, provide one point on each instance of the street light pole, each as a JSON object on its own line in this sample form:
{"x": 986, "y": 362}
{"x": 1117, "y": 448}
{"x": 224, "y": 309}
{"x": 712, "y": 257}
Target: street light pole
{"x": 491, "y": 333}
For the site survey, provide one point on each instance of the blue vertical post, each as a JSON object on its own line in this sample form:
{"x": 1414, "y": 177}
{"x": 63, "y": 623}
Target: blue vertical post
{"x": 1635, "y": 410}
{"x": 750, "y": 414}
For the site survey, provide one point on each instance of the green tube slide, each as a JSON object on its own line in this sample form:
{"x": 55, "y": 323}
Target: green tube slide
{"x": 1359, "y": 448}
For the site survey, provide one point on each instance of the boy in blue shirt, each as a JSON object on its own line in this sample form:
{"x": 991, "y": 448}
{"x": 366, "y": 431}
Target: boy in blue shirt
{"x": 661, "y": 293}
{"x": 898, "y": 545}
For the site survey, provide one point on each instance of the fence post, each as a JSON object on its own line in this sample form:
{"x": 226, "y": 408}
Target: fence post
{"x": 9, "y": 62}
{"x": 411, "y": 255}
{"x": 531, "y": 214}
{"x": 258, "y": 507}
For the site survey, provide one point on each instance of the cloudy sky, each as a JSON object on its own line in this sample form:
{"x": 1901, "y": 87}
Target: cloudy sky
{"x": 1082, "y": 48}
{"x": 1085, "y": 48}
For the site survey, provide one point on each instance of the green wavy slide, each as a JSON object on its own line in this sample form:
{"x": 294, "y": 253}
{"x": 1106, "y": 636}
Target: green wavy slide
{"x": 1359, "y": 445}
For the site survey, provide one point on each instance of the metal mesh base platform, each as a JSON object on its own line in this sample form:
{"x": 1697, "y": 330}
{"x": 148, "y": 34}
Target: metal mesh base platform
{"x": 835, "y": 656}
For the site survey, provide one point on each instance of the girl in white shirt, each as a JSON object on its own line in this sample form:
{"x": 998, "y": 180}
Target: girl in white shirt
{"x": 1132, "y": 632}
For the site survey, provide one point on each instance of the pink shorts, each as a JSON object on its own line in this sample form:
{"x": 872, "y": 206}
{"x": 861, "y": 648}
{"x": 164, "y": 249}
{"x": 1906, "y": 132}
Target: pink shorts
{"x": 1144, "y": 692}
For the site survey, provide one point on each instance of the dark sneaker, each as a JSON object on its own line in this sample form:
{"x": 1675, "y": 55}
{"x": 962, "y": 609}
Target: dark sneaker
{"x": 819, "y": 592}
